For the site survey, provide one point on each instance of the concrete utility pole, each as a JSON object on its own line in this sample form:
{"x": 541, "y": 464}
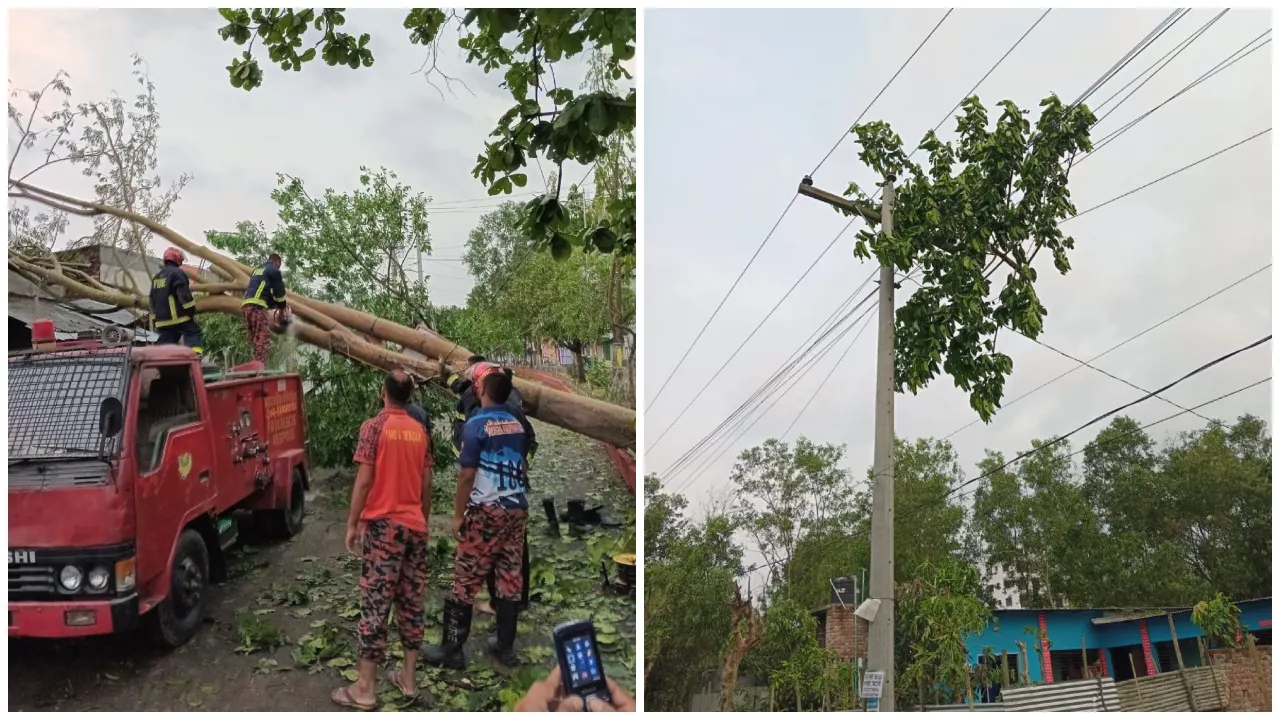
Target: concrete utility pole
{"x": 880, "y": 636}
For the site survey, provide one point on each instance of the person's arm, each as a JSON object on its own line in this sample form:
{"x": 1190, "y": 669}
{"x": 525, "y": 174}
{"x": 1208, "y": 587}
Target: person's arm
{"x": 428, "y": 468}
{"x": 366, "y": 456}
{"x": 275, "y": 282}
{"x": 468, "y": 461}
{"x": 181, "y": 289}
{"x": 360, "y": 494}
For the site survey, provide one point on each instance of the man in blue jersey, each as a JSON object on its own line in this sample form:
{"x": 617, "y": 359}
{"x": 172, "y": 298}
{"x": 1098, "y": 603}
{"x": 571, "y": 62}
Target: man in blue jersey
{"x": 489, "y": 518}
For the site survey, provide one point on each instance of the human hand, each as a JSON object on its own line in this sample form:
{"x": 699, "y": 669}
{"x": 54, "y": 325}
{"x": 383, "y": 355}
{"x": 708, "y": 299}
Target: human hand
{"x": 621, "y": 701}
{"x": 355, "y": 533}
{"x": 457, "y": 529}
{"x": 543, "y": 696}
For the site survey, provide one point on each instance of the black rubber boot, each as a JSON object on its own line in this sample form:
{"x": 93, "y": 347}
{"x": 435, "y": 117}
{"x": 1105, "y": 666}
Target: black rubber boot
{"x": 503, "y": 645}
{"x": 524, "y": 574}
{"x": 457, "y": 628}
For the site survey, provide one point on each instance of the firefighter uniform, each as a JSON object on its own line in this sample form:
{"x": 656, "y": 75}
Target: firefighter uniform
{"x": 468, "y": 404}
{"x": 264, "y": 292}
{"x": 173, "y": 309}
{"x": 492, "y": 536}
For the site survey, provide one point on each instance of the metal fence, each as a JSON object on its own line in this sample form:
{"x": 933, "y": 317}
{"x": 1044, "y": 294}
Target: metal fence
{"x": 1095, "y": 695}
{"x": 1195, "y": 689}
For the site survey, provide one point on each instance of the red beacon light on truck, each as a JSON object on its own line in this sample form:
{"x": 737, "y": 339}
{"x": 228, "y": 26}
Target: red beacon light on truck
{"x": 43, "y": 336}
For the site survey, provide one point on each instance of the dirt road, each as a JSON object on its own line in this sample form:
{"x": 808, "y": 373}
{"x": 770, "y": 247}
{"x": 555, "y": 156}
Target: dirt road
{"x": 280, "y": 632}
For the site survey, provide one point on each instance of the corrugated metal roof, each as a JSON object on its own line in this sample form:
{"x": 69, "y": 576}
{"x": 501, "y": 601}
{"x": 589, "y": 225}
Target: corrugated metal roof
{"x": 66, "y": 322}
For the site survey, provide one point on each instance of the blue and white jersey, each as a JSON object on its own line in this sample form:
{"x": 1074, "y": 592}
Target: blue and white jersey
{"x": 495, "y": 445}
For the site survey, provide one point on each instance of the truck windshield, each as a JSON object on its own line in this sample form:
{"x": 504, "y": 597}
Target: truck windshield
{"x": 55, "y": 400}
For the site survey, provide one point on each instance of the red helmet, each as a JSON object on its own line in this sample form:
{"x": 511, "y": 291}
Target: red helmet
{"x": 174, "y": 255}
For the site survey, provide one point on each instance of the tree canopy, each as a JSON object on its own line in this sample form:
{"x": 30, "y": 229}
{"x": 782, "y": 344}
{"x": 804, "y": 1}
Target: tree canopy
{"x": 523, "y": 44}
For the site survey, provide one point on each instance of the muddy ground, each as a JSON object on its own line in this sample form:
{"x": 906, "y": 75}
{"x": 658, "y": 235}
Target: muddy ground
{"x": 280, "y": 633}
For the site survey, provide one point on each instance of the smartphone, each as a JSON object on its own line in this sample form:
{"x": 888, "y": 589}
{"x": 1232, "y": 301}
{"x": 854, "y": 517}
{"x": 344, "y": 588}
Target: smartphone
{"x": 581, "y": 670}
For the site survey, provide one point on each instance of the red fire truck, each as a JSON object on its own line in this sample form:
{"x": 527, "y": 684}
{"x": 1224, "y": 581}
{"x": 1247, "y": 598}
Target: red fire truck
{"x": 131, "y": 470}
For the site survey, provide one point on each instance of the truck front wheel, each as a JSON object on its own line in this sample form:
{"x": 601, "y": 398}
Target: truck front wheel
{"x": 180, "y": 615}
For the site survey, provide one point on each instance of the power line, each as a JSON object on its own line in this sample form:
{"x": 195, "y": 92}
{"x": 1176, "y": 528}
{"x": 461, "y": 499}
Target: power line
{"x": 1116, "y": 347}
{"x": 1228, "y": 62}
{"x": 722, "y": 301}
{"x": 1171, "y": 56}
{"x": 794, "y": 380}
{"x": 1166, "y": 177}
{"x": 754, "y": 330}
{"x": 1109, "y": 413}
{"x": 825, "y": 380}
{"x": 867, "y": 109}
{"x": 767, "y": 388}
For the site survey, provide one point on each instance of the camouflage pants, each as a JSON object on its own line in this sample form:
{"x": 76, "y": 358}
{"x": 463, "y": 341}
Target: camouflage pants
{"x": 492, "y": 540}
{"x": 395, "y": 572}
{"x": 256, "y": 326}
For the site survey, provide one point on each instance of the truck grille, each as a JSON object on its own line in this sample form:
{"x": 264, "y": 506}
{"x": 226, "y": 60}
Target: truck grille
{"x": 31, "y": 582}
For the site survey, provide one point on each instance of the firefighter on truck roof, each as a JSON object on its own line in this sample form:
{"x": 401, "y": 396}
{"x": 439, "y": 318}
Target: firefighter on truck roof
{"x": 173, "y": 308}
{"x": 264, "y": 293}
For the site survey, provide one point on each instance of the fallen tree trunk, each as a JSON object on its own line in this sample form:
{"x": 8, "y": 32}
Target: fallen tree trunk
{"x": 328, "y": 326}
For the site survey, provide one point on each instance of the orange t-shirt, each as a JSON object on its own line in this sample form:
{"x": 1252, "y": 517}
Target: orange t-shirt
{"x": 399, "y": 449}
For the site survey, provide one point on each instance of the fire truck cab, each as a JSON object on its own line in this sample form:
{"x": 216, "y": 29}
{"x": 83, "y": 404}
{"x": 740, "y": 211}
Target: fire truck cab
{"x": 131, "y": 471}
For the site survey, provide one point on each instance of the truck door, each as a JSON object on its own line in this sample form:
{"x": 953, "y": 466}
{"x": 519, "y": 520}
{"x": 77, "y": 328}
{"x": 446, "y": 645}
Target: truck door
{"x": 174, "y": 457}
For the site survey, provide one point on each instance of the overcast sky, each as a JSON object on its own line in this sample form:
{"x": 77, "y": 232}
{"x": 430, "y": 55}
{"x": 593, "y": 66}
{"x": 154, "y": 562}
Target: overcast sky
{"x": 320, "y": 124}
{"x": 739, "y": 105}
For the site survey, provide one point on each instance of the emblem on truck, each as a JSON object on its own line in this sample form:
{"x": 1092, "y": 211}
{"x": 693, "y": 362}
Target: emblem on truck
{"x": 184, "y": 465}
{"x": 22, "y": 557}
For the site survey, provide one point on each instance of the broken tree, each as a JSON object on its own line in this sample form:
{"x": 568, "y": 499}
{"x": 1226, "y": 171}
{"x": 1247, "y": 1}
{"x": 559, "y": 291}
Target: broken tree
{"x": 328, "y": 326}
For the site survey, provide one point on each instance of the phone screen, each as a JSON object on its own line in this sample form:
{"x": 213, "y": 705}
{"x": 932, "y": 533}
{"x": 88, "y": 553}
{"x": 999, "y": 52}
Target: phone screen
{"x": 583, "y": 663}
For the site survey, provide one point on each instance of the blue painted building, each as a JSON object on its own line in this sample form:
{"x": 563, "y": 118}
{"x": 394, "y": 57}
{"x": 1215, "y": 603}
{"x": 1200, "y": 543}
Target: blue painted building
{"x": 1122, "y": 643}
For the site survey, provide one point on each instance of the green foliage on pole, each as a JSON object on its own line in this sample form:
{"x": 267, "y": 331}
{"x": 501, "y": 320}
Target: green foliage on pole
{"x": 956, "y": 218}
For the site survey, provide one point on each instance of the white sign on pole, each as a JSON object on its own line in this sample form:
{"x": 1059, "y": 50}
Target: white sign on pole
{"x": 872, "y": 684}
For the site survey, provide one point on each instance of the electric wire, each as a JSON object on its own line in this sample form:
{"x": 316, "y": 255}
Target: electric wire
{"x": 754, "y": 330}
{"x": 716, "y": 312}
{"x": 769, "y": 386}
{"x": 867, "y": 109}
{"x": 1115, "y": 347}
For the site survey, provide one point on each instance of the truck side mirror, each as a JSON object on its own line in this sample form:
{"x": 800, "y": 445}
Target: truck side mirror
{"x": 110, "y": 417}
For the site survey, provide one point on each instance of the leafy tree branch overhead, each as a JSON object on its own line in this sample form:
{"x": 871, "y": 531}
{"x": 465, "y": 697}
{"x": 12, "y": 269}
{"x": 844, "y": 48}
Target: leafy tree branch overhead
{"x": 956, "y": 219}
{"x": 524, "y": 44}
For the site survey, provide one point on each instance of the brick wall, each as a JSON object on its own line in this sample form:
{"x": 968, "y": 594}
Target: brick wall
{"x": 1248, "y": 685}
{"x": 840, "y": 636}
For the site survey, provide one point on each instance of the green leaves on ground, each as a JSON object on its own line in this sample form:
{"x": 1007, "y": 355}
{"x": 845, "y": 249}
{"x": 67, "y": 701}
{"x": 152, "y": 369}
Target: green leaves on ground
{"x": 257, "y": 634}
{"x": 956, "y": 220}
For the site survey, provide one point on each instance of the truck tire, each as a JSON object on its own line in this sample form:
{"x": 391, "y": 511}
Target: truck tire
{"x": 180, "y": 616}
{"x": 284, "y": 524}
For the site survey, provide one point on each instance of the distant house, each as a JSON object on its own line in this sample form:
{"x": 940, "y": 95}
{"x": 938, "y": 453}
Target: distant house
{"x": 1121, "y": 643}
{"x": 28, "y": 302}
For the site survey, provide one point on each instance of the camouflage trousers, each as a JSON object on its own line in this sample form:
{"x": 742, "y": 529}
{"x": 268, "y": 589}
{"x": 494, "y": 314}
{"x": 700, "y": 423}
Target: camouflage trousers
{"x": 492, "y": 540}
{"x": 256, "y": 326}
{"x": 394, "y": 573}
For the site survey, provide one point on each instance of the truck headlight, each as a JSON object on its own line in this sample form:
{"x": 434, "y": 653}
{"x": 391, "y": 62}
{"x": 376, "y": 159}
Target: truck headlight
{"x": 126, "y": 575}
{"x": 71, "y": 577}
{"x": 98, "y": 578}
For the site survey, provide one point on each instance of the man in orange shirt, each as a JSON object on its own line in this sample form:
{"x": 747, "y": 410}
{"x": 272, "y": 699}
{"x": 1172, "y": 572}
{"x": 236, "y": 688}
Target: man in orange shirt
{"x": 387, "y": 526}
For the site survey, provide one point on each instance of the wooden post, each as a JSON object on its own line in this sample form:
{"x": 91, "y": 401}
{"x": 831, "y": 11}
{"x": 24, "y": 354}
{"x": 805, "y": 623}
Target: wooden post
{"x": 1004, "y": 666}
{"x": 1203, "y": 644}
{"x": 770, "y": 697}
{"x": 1026, "y": 663}
{"x": 1084, "y": 657}
{"x": 920, "y": 689}
{"x": 1137, "y": 684}
{"x": 1182, "y": 669}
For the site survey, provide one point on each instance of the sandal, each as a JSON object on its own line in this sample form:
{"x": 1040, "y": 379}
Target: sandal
{"x": 393, "y": 677}
{"x": 342, "y": 698}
